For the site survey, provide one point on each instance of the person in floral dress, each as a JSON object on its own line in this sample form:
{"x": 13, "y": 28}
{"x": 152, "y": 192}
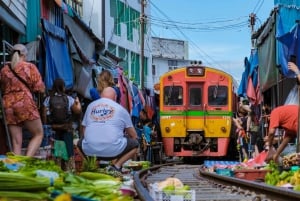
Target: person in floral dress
{"x": 19, "y": 106}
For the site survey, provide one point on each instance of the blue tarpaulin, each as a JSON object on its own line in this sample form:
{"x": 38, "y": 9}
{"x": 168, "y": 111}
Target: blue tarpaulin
{"x": 243, "y": 85}
{"x": 58, "y": 63}
{"x": 253, "y": 67}
{"x": 290, "y": 43}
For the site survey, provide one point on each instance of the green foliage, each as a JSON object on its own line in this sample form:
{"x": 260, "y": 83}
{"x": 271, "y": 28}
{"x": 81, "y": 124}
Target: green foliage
{"x": 90, "y": 164}
{"x": 271, "y": 166}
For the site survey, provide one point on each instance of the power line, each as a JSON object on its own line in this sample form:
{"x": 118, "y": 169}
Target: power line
{"x": 211, "y": 25}
{"x": 188, "y": 39}
{"x": 258, "y": 6}
{"x": 202, "y": 29}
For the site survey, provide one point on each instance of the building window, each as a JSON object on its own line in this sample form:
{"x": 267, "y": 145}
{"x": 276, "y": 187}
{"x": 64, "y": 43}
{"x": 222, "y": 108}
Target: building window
{"x": 135, "y": 68}
{"x": 112, "y": 48}
{"x": 76, "y": 5}
{"x": 123, "y": 53}
{"x": 153, "y": 70}
{"x": 122, "y": 13}
{"x": 173, "y": 64}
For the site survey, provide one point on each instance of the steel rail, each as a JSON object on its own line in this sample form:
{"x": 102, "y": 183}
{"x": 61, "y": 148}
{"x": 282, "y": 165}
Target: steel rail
{"x": 260, "y": 188}
{"x": 276, "y": 193}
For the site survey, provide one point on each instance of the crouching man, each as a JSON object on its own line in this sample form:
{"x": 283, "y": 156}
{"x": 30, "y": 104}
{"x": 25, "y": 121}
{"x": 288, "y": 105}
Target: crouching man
{"x": 108, "y": 131}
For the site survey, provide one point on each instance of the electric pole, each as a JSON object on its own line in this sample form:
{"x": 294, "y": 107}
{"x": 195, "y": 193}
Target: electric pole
{"x": 142, "y": 20}
{"x": 252, "y": 23}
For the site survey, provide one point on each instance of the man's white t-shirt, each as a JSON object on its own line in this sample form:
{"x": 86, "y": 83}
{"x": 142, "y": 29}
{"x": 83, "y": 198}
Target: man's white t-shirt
{"x": 105, "y": 121}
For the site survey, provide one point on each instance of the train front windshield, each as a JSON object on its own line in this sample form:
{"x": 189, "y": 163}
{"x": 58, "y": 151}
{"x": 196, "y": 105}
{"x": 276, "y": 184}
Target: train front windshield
{"x": 218, "y": 95}
{"x": 173, "y": 95}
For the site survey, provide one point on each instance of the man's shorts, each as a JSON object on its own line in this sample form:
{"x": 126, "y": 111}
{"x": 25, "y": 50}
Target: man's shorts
{"x": 131, "y": 144}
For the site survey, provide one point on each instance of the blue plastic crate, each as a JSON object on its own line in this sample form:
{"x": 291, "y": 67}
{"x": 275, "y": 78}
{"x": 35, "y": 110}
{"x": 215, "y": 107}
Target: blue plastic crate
{"x": 225, "y": 172}
{"x": 209, "y": 163}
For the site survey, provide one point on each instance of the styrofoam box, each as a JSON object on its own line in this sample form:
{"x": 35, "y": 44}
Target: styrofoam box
{"x": 158, "y": 195}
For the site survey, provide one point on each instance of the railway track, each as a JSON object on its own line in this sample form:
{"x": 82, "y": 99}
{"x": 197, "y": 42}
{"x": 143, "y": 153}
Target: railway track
{"x": 210, "y": 186}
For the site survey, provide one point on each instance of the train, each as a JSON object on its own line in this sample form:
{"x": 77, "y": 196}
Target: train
{"x": 196, "y": 105}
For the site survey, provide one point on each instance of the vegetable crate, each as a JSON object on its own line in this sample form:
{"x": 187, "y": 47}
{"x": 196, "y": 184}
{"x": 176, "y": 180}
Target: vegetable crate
{"x": 182, "y": 195}
{"x": 251, "y": 174}
{"x": 225, "y": 172}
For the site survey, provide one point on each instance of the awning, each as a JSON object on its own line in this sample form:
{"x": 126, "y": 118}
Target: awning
{"x": 83, "y": 38}
{"x": 11, "y": 21}
{"x": 58, "y": 64}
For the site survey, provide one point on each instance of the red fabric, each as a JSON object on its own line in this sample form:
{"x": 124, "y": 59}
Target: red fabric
{"x": 150, "y": 111}
{"x": 251, "y": 93}
{"x": 45, "y": 9}
{"x": 125, "y": 101}
{"x": 258, "y": 160}
{"x": 285, "y": 116}
{"x": 258, "y": 93}
{"x": 142, "y": 98}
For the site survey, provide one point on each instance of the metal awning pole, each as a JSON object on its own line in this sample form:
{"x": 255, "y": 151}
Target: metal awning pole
{"x": 4, "y": 43}
{"x": 298, "y": 133}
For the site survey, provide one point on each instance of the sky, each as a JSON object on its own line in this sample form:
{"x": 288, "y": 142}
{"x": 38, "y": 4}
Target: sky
{"x": 218, "y": 31}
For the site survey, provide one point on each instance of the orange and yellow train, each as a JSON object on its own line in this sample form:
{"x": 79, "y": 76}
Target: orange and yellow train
{"x": 196, "y": 108}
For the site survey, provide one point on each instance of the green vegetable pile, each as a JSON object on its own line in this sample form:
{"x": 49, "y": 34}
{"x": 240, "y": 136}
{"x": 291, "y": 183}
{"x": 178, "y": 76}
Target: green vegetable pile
{"x": 97, "y": 187}
{"x": 25, "y": 183}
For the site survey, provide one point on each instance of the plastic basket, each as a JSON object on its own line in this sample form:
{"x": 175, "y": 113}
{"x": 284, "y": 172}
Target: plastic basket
{"x": 251, "y": 174}
{"x": 225, "y": 172}
{"x": 182, "y": 195}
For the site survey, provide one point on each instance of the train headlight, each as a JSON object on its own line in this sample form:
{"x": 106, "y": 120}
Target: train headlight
{"x": 167, "y": 129}
{"x": 223, "y": 129}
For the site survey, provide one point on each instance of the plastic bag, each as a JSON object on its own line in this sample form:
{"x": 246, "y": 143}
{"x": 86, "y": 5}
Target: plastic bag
{"x": 292, "y": 98}
{"x": 290, "y": 148}
{"x": 60, "y": 150}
